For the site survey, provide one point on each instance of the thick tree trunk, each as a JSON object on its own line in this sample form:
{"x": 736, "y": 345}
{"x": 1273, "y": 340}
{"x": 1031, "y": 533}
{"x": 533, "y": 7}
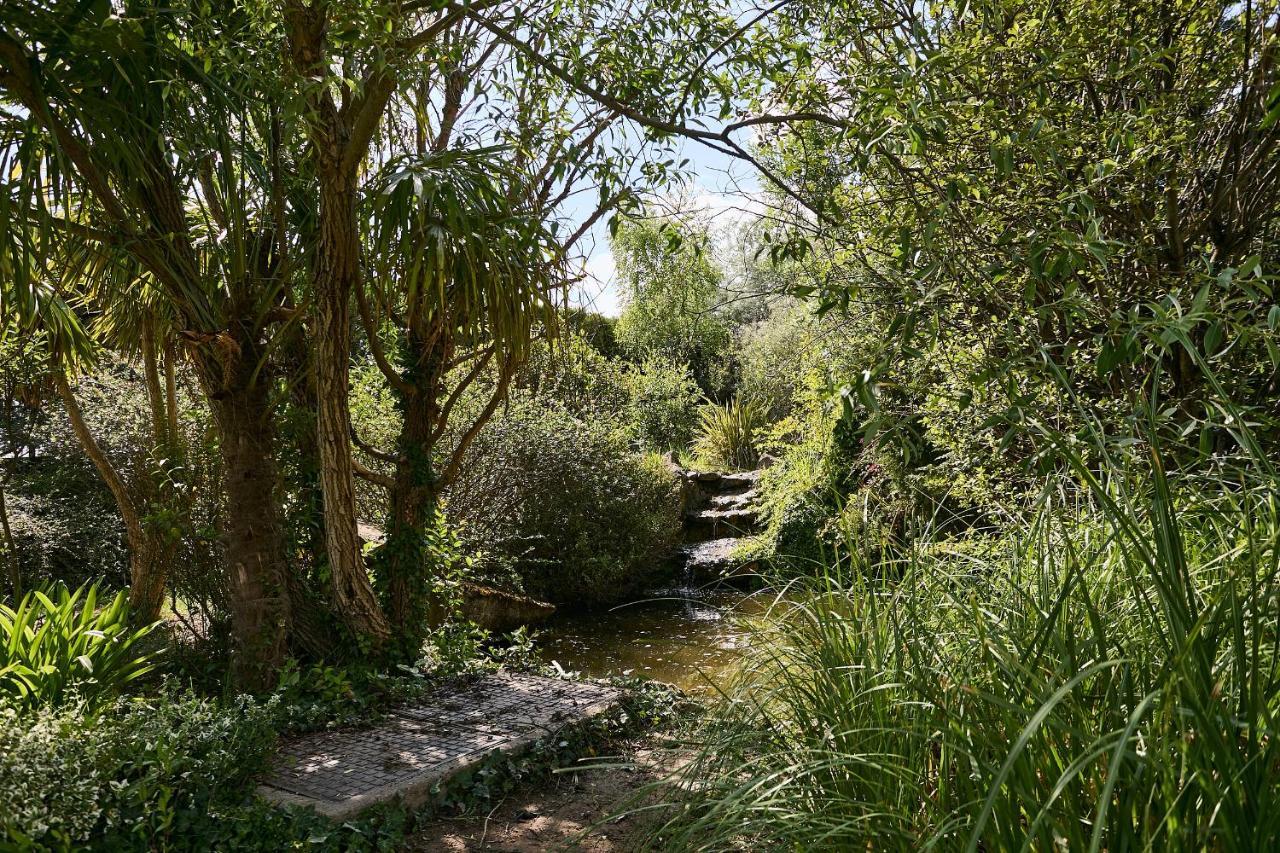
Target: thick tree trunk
{"x": 340, "y": 143}
{"x": 150, "y": 552}
{"x": 337, "y": 272}
{"x": 310, "y": 619}
{"x": 254, "y": 541}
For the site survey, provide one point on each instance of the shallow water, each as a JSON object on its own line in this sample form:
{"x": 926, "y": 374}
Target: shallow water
{"x": 689, "y": 637}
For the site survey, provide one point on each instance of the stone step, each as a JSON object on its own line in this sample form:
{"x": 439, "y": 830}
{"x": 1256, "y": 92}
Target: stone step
{"x": 419, "y": 748}
{"x": 710, "y": 556}
{"x": 738, "y": 500}
{"x": 744, "y": 516}
{"x": 738, "y": 480}
{"x": 705, "y": 524}
{"x": 713, "y": 559}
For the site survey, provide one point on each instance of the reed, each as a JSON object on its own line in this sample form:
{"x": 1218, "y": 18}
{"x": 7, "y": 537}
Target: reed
{"x": 1103, "y": 677}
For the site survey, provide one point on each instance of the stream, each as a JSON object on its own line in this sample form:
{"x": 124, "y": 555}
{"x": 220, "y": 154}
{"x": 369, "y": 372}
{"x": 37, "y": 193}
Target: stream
{"x": 686, "y": 636}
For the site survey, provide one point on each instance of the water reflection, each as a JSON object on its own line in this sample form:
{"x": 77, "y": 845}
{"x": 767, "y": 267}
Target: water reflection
{"x": 685, "y": 636}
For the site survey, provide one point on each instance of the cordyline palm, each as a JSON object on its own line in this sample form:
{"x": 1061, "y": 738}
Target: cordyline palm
{"x": 124, "y": 133}
{"x": 47, "y": 270}
{"x": 463, "y": 278}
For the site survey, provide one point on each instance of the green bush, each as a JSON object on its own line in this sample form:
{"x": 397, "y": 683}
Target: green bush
{"x": 726, "y": 436}
{"x": 561, "y": 499}
{"x": 672, "y": 291}
{"x": 57, "y": 646}
{"x": 663, "y": 402}
{"x": 775, "y": 357}
{"x": 142, "y": 774}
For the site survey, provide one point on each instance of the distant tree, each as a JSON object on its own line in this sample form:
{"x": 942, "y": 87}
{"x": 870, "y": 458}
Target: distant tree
{"x": 672, "y": 288}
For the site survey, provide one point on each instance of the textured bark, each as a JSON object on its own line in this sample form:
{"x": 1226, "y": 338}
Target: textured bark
{"x": 310, "y": 619}
{"x": 336, "y": 274}
{"x": 253, "y": 536}
{"x": 171, "y": 387}
{"x": 411, "y": 505}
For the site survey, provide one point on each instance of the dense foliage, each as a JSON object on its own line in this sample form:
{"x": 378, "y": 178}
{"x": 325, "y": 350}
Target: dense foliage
{"x": 1001, "y": 322}
{"x": 580, "y": 519}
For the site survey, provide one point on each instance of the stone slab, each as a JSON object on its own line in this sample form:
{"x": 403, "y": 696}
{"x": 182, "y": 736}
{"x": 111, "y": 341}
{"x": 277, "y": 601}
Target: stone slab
{"x": 341, "y": 773}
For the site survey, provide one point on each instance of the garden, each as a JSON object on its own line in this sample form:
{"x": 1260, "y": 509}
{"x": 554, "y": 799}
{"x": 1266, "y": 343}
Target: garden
{"x": 879, "y": 400}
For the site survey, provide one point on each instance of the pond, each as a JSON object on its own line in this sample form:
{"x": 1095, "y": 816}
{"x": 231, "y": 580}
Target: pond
{"x": 687, "y": 636}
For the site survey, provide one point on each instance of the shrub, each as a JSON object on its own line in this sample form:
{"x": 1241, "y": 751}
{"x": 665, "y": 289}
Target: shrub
{"x": 58, "y": 646}
{"x": 142, "y": 774}
{"x": 663, "y": 404}
{"x": 580, "y": 518}
{"x": 727, "y": 434}
{"x": 776, "y": 355}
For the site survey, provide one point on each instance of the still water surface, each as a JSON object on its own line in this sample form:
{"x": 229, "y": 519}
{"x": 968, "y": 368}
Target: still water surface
{"x": 689, "y": 637}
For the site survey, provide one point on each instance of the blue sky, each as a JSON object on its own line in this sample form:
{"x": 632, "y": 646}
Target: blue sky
{"x": 721, "y": 188}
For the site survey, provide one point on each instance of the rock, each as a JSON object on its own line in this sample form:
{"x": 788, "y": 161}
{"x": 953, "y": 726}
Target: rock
{"x": 739, "y": 480}
{"x": 705, "y": 524}
{"x": 740, "y": 500}
{"x": 714, "y": 559}
{"x": 709, "y": 476}
{"x": 500, "y": 611}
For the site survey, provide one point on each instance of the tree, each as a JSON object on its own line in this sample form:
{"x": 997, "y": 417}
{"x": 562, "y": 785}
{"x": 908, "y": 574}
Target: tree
{"x": 468, "y": 266}
{"x": 104, "y": 101}
{"x": 1085, "y": 185}
{"x": 672, "y": 291}
{"x": 170, "y": 140}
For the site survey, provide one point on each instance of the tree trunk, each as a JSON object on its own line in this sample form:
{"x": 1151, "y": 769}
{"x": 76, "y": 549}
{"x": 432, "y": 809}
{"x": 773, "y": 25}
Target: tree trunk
{"x": 150, "y": 552}
{"x": 254, "y": 542}
{"x": 336, "y": 273}
{"x": 171, "y": 387}
{"x": 10, "y": 548}
{"x": 411, "y": 508}
{"x": 310, "y": 619}
{"x": 155, "y": 394}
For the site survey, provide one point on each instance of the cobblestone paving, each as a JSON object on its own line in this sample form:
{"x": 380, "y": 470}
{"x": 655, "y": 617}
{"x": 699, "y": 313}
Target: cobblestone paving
{"x": 342, "y": 773}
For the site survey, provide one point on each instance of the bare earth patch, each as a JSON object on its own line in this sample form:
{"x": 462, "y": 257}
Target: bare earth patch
{"x": 570, "y": 810}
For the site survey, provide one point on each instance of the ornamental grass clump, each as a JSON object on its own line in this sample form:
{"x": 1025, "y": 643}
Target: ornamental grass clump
{"x": 1106, "y": 679}
{"x": 726, "y": 434}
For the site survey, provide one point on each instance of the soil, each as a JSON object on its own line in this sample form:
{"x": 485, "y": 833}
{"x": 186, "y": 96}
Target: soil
{"x": 589, "y": 810}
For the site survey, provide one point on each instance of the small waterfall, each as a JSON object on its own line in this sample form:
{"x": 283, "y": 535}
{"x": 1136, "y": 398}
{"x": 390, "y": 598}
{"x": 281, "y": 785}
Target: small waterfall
{"x": 719, "y": 508}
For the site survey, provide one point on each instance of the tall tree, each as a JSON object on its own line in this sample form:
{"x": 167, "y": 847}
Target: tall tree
{"x": 104, "y": 103}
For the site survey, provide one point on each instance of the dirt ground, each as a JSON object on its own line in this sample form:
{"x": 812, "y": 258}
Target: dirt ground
{"x": 571, "y": 810}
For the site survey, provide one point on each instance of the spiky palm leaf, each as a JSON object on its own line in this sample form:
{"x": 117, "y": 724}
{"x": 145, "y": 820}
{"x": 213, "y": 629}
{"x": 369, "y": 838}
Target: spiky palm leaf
{"x": 449, "y": 247}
